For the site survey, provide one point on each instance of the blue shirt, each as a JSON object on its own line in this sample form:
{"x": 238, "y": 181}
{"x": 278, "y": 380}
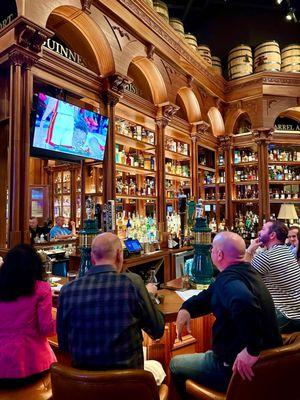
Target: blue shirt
{"x": 57, "y": 230}
{"x": 101, "y": 316}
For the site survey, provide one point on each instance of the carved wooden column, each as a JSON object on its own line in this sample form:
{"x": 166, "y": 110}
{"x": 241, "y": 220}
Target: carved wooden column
{"x": 263, "y": 136}
{"x": 114, "y": 91}
{"x": 225, "y": 143}
{"x": 165, "y": 112}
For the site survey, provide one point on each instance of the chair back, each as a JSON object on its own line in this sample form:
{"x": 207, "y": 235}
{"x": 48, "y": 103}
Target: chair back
{"x": 76, "y": 384}
{"x": 276, "y": 375}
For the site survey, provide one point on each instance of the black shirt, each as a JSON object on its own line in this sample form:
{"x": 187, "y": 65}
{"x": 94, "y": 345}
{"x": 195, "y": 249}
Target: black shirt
{"x": 244, "y": 311}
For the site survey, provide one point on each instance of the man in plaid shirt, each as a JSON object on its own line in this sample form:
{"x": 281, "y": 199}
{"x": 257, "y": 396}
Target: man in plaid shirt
{"x": 101, "y": 315}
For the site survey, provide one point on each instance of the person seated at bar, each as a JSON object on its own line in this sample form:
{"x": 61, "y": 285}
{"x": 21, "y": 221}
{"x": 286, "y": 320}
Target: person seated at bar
{"x": 281, "y": 273}
{"x": 25, "y": 318}
{"x": 245, "y": 320}
{"x": 59, "y": 231}
{"x": 293, "y": 240}
{"x": 35, "y": 229}
{"x": 101, "y": 315}
{"x": 48, "y": 224}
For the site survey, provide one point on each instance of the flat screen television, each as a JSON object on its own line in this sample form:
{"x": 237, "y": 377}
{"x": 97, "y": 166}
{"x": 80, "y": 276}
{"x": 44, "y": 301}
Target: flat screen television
{"x": 63, "y": 130}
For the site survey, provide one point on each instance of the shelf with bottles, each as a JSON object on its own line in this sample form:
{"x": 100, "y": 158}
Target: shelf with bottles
{"x": 279, "y": 154}
{"x": 244, "y": 193}
{"x": 133, "y": 225}
{"x": 284, "y": 173}
{"x": 134, "y": 135}
{"x": 176, "y": 149}
{"x": 176, "y": 169}
{"x": 288, "y": 192}
{"x": 62, "y": 182}
{"x": 246, "y": 224}
{"x": 130, "y": 186}
{"x": 245, "y": 157}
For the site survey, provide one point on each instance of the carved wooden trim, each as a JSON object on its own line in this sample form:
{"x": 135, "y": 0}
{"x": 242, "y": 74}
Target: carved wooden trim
{"x": 23, "y": 59}
{"x": 165, "y": 114}
{"x": 31, "y": 37}
{"x": 225, "y": 142}
{"x": 118, "y": 82}
{"x": 262, "y": 135}
{"x": 150, "y": 51}
{"x": 86, "y": 6}
{"x": 202, "y": 127}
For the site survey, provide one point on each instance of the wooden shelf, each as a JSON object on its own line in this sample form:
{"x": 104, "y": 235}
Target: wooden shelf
{"x": 125, "y": 196}
{"x": 283, "y": 163}
{"x": 204, "y": 168}
{"x": 214, "y": 201}
{"x": 94, "y": 194}
{"x": 176, "y": 156}
{"x": 179, "y": 178}
{"x": 221, "y": 184}
{"x": 210, "y": 185}
{"x": 246, "y": 183}
{"x": 284, "y": 201}
{"x": 274, "y": 182}
{"x": 245, "y": 200}
{"x": 246, "y": 164}
{"x": 136, "y": 144}
{"x": 134, "y": 170}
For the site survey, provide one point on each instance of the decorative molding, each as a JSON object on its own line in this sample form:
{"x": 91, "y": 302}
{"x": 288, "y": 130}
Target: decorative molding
{"x": 171, "y": 71}
{"x": 118, "y": 82}
{"x": 30, "y": 37}
{"x": 232, "y": 85}
{"x": 262, "y": 135}
{"x": 189, "y": 80}
{"x": 150, "y": 51}
{"x": 202, "y": 127}
{"x": 122, "y": 36}
{"x": 280, "y": 80}
{"x": 175, "y": 44}
{"x": 110, "y": 98}
{"x": 22, "y": 59}
{"x": 165, "y": 114}
{"x": 225, "y": 142}
{"x": 86, "y": 6}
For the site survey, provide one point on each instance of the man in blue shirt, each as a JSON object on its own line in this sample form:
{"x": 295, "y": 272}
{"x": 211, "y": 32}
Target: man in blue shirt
{"x": 101, "y": 315}
{"x": 61, "y": 232}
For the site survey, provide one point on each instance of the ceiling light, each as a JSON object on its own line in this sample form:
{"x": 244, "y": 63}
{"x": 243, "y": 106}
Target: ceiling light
{"x": 291, "y": 16}
{"x": 279, "y": 1}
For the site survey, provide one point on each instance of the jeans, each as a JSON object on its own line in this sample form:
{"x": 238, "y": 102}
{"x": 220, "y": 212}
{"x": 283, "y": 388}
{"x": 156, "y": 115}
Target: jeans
{"x": 204, "y": 368}
{"x": 287, "y": 325}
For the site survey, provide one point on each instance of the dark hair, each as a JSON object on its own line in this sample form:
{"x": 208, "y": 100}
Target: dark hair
{"x": 280, "y": 229}
{"x": 298, "y": 250}
{"x": 21, "y": 269}
{"x": 294, "y": 227}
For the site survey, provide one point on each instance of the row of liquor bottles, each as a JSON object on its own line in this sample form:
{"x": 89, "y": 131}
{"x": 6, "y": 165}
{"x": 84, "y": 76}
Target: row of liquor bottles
{"x": 283, "y": 173}
{"x": 137, "y": 159}
{"x": 274, "y": 154}
{"x": 245, "y": 174}
{"x": 177, "y": 168}
{"x": 135, "y": 226}
{"x": 244, "y": 156}
{"x": 129, "y": 187}
{"x": 177, "y": 146}
{"x": 134, "y": 131}
{"x": 210, "y": 178}
{"x": 246, "y": 225}
{"x": 284, "y": 194}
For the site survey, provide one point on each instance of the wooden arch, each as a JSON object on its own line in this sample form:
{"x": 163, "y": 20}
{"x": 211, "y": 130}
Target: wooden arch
{"x": 293, "y": 113}
{"x": 232, "y": 119}
{"x": 190, "y": 103}
{"x": 216, "y": 122}
{"x": 79, "y": 31}
{"x": 153, "y": 77}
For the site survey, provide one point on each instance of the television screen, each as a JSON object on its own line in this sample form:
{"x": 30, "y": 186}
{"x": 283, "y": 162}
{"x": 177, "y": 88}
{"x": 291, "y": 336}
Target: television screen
{"x": 65, "y": 128}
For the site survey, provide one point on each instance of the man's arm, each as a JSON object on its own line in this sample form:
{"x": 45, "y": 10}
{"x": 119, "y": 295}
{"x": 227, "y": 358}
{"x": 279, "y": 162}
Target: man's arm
{"x": 152, "y": 320}
{"x": 261, "y": 263}
{"x": 199, "y": 305}
{"x": 62, "y": 323}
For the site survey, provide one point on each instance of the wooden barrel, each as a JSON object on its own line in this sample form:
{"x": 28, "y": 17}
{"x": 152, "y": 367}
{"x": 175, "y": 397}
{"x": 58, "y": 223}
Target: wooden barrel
{"x": 150, "y": 2}
{"x": 191, "y": 40}
{"x": 216, "y": 64}
{"x": 205, "y": 53}
{"x": 177, "y": 24}
{"x": 240, "y": 62}
{"x": 267, "y": 57}
{"x": 290, "y": 58}
{"x": 162, "y": 9}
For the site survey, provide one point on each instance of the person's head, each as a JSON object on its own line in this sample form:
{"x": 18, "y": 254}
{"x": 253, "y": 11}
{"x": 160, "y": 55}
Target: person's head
{"x": 227, "y": 248}
{"x": 60, "y": 221}
{"x": 33, "y": 223}
{"x": 21, "y": 268}
{"x": 293, "y": 235}
{"x": 107, "y": 249}
{"x": 273, "y": 232}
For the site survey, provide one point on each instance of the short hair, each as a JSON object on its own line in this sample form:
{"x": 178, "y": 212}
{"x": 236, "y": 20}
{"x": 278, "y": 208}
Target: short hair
{"x": 280, "y": 229}
{"x": 21, "y": 268}
{"x": 294, "y": 227}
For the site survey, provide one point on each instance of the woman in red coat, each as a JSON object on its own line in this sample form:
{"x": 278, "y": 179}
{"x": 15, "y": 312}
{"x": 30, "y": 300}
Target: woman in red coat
{"x": 25, "y": 317}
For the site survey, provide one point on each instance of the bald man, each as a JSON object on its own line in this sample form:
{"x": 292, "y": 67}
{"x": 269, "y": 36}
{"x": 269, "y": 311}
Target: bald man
{"x": 101, "y": 315}
{"x": 245, "y": 320}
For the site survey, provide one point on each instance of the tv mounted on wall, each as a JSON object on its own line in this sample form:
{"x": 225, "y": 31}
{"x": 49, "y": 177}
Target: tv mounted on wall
{"x": 63, "y": 130}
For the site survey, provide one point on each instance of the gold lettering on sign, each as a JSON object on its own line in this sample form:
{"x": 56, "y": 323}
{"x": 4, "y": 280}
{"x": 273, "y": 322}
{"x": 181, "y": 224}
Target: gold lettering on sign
{"x": 6, "y": 21}
{"x": 64, "y": 51}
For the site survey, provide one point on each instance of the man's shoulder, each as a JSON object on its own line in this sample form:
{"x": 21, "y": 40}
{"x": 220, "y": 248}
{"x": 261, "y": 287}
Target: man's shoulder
{"x": 133, "y": 278}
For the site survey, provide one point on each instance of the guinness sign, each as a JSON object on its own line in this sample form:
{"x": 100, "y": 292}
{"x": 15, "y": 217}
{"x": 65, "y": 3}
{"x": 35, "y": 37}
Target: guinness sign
{"x": 64, "y": 51}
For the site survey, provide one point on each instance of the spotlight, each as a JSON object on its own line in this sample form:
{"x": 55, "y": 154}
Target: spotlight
{"x": 291, "y": 16}
{"x": 279, "y": 1}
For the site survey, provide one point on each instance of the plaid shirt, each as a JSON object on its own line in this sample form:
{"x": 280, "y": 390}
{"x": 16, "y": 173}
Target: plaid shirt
{"x": 100, "y": 317}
